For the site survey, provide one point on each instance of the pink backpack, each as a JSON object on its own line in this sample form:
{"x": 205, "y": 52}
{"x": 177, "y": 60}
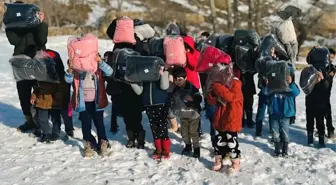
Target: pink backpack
{"x": 174, "y": 50}
{"x": 124, "y": 31}
{"x": 82, "y": 52}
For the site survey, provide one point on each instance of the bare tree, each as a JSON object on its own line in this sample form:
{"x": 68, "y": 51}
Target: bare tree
{"x": 229, "y": 16}
{"x": 213, "y": 15}
{"x": 236, "y": 14}
{"x": 250, "y": 14}
{"x": 257, "y": 17}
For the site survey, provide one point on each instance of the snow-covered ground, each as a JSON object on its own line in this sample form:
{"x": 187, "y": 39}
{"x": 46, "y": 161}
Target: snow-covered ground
{"x": 23, "y": 161}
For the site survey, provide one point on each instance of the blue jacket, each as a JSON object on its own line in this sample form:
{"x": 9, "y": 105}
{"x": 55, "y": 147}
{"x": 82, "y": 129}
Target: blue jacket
{"x": 153, "y": 94}
{"x": 282, "y": 105}
{"x": 107, "y": 71}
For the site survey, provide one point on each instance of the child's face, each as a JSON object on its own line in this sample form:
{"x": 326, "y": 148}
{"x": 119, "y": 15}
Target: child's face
{"x": 179, "y": 81}
{"x": 332, "y": 57}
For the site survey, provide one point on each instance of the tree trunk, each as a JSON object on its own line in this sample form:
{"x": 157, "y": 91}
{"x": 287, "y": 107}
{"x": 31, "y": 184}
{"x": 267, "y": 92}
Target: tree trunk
{"x": 235, "y": 14}
{"x": 229, "y": 16}
{"x": 258, "y": 15}
{"x": 250, "y": 14}
{"x": 213, "y": 15}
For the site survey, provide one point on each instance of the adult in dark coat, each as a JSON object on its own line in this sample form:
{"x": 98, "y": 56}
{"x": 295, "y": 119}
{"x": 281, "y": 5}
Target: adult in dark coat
{"x": 27, "y": 41}
{"x": 249, "y": 91}
{"x": 331, "y": 72}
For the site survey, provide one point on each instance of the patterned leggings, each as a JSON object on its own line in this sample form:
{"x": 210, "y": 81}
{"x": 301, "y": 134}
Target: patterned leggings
{"x": 227, "y": 143}
{"x": 157, "y": 115}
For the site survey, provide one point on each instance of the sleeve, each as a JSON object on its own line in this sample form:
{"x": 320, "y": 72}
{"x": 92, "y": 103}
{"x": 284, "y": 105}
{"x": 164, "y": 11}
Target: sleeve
{"x": 12, "y": 37}
{"x": 137, "y": 88}
{"x": 68, "y": 78}
{"x": 295, "y": 90}
{"x": 233, "y": 95}
{"x": 164, "y": 81}
{"x": 40, "y": 34}
{"x": 111, "y": 29}
{"x": 107, "y": 70}
{"x": 211, "y": 99}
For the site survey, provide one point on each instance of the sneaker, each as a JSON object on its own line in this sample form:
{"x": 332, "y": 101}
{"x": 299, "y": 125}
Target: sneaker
{"x": 187, "y": 150}
{"x": 88, "y": 150}
{"x": 70, "y": 133}
{"x": 104, "y": 146}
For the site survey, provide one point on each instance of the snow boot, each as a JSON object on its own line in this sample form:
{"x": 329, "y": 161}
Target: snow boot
{"x": 235, "y": 167}
{"x": 158, "y": 149}
{"x": 54, "y": 137}
{"x": 28, "y": 125}
{"x": 218, "y": 163}
{"x": 46, "y": 138}
{"x": 187, "y": 149}
{"x": 285, "y": 149}
{"x": 131, "y": 139}
{"x": 166, "y": 148}
{"x": 310, "y": 138}
{"x": 321, "y": 141}
{"x": 197, "y": 153}
{"x": 104, "y": 146}
{"x": 37, "y": 133}
{"x": 141, "y": 139}
{"x": 70, "y": 133}
{"x": 277, "y": 148}
{"x": 88, "y": 149}
{"x": 331, "y": 135}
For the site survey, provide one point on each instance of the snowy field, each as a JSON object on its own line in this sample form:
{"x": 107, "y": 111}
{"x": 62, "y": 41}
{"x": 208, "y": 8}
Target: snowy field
{"x": 23, "y": 161}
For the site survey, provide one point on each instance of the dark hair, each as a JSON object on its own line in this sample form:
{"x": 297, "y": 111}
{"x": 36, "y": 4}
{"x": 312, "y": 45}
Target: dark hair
{"x": 179, "y": 72}
{"x": 205, "y": 34}
{"x": 19, "y": 2}
{"x": 107, "y": 53}
{"x": 331, "y": 51}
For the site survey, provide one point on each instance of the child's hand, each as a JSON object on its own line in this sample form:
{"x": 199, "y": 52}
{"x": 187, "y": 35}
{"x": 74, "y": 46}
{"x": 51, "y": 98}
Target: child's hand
{"x": 332, "y": 74}
{"x": 98, "y": 58}
{"x": 161, "y": 70}
{"x": 266, "y": 81}
{"x": 289, "y": 79}
{"x": 32, "y": 101}
{"x": 320, "y": 76}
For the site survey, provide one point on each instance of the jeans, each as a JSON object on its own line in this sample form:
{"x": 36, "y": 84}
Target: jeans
{"x": 42, "y": 121}
{"x": 56, "y": 120}
{"x": 280, "y": 130}
{"x": 86, "y": 117}
{"x": 262, "y": 105}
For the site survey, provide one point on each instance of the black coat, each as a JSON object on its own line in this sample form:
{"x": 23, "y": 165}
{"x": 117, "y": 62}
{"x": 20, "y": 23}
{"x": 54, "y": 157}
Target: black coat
{"x": 248, "y": 87}
{"x": 28, "y": 40}
{"x": 319, "y": 97}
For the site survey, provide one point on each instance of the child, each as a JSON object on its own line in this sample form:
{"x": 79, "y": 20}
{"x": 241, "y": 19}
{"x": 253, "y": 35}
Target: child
{"x": 328, "y": 116}
{"x": 189, "y": 127}
{"x": 155, "y": 99}
{"x": 62, "y": 97}
{"x": 281, "y": 109}
{"x": 227, "y": 122}
{"x": 89, "y": 98}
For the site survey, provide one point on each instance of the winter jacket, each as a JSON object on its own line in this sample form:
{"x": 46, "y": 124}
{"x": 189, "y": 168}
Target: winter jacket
{"x": 192, "y": 59}
{"x": 194, "y": 93}
{"x": 319, "y": 97}
{"x": 153, "y": 93}
{"x": 248, "y": 84}
{"x": 77, "y": 78}
{"x": 282, "y": 105}
{"x": 227, "y": 117}
{"x": 43, "y": 95}
{"x": 131, "y": 103}
{"x": 28, "y": 40}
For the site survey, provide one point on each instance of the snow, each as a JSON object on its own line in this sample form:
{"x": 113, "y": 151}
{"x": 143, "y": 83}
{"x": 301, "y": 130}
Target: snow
{"x": 24, "y": 161}
{"x": 95, "y": 15}
{"x": 243, "y": 8}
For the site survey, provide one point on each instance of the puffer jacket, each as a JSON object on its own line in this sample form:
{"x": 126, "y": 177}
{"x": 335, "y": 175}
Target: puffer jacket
{"x": 192, "y": 59}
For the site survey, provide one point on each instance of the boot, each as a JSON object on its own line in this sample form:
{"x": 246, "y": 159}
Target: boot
{"x": 158, "y": 149}
{"x": 46, "y": 138}
{"x": 310, "y": 138}
{"x": 285, "y": 149}
{"x": 54, "y": 137}
{"x": 141, "y": 139}
{"x": 37, "y": 133}
{"x": 114, "y": 125}
{"x": 70, "y": 133}
{"x": 235, "y": 167}
{"x": 104, "y": 146}
{"x": 321, "y": 141}
{"x": 28, "y": 125}
{"x": 258, "y": 131}
{"x": 197, "y": 153}
{"x": 88, "y": 149}
{"x": 187, "y": 149}
{"x": 173, "y": 124}
{"x": 131, "y": 139}
{"x": 331, "y": 135}
{"x": 277, "y": 148}
{"x": 166, "y": 148}
{"x": 218, "y": 163}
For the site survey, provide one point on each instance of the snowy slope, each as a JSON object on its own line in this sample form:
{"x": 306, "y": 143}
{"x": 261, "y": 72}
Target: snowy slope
{"x": 25, "y": 162}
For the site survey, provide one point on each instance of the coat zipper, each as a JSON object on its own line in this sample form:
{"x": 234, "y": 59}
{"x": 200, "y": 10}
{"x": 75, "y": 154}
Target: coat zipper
{"x": 150, "y": 93}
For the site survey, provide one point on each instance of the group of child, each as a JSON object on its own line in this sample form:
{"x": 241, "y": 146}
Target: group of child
{"x": 89, "y": 98}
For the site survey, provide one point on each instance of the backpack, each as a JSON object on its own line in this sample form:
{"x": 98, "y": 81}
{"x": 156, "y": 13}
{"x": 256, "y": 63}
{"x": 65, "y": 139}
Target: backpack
{"x": 174, "y": 51}
{"x": 210, "y": 56}
{"x": 82, "y": 51}
{"x": 118, "y": 62}
{"x": 124, "y": 31}
{"x": 20, "y": 15}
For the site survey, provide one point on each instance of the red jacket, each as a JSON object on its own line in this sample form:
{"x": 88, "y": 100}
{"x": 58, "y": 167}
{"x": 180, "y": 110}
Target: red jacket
{"x": 227, "y": 117}
{"x": 192, "y": 59}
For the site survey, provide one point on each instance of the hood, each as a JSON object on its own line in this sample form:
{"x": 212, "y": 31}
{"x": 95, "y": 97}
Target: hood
{"x": 190, "y": 42}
